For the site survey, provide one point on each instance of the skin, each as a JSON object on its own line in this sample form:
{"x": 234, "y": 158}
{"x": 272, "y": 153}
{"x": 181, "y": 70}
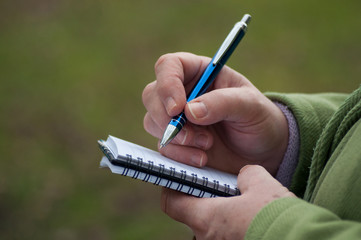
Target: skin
{"x": 231, "y": 126}
{"x": 225, "y": 218}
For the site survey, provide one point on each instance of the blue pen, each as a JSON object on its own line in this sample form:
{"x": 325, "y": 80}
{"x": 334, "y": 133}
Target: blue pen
{"x": 209, "y": 74}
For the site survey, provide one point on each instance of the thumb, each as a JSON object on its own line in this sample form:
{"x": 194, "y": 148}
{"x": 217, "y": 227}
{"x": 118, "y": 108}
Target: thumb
{"x": 181, "y": 207}
{"x": 229, "y": 104}
{"x": 256, "y": 178}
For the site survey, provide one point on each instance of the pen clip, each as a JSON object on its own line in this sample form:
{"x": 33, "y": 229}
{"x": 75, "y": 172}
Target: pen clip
{"x": 241, "y": 25}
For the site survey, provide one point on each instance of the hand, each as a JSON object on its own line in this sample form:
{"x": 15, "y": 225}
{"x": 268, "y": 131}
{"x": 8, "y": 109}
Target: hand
{"x": 228, "y": 127}
{"x": 225, "y": 218}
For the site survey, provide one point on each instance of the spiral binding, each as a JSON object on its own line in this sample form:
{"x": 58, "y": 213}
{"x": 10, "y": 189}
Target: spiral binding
{"x": 159, "y": 175}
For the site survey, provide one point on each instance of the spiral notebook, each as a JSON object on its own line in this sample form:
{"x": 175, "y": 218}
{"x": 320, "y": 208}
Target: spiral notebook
{"x": 129, "y": 159}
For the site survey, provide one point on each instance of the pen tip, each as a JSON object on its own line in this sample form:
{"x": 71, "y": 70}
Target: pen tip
{"x": 170, "y": 132}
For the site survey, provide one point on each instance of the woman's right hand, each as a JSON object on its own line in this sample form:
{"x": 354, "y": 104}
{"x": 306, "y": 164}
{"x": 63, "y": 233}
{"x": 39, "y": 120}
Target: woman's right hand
{"x": 231, "y": 125}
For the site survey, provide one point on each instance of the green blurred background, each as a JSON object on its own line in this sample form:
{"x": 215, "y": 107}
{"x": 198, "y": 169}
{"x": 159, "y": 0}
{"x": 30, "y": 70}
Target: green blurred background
{"x": 72, "y": 72}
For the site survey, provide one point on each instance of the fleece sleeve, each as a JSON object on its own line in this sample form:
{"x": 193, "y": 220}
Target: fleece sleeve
{"x": 312, "y": 112}
{"x": 293, "y": 218}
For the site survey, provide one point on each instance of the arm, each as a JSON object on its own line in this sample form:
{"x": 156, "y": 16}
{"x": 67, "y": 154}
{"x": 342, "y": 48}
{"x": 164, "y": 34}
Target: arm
{"x": 230, "y": 126}
{"x": 293, "y": 218}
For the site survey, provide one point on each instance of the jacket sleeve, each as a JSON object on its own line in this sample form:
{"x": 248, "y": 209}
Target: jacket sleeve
{"x": 312, "y": 112}
{"x": 296, "y": 219}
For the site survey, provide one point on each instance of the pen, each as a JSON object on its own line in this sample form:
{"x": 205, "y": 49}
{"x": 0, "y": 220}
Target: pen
{"x": 209, "y": 74}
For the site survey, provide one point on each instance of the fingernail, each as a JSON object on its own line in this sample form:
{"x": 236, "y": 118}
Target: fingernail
{"x": 198, "y": 109}
{"x": 182, "y": 136}
{"x": 197, "y": 160}
{"x": 170, "y": 104}
{"x": 201, "y": 140}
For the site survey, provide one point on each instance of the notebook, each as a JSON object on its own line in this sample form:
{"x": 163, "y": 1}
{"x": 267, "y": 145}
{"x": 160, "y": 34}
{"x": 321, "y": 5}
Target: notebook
{"x": 131, "y": 160}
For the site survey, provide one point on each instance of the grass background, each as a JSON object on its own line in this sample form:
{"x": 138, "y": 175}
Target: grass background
{"x": 72, "y": 72}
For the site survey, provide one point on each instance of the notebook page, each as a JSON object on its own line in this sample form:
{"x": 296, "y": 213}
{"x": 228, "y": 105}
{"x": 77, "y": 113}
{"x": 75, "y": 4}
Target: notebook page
{"x": 124, "y": 147}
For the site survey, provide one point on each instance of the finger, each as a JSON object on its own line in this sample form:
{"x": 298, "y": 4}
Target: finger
{"x": 155, "y": 107}
{"x": 254, "y": 177}
{"x": 173, "y": 203}
{"x": 151, "y": 126}
{"x": 190, "y": 135}
{"x": 229, "y": 78}
{"x": 198, "y": 137}
{"x": 148, "y": 92}
{"x": 194, "y": 136}
{"x": 157, "y": 131}
{"x": 184, "y": 154}
{"x": 230, "y": 104}
{"x": 173, "y": 71}
{"x": 183, "y": 208}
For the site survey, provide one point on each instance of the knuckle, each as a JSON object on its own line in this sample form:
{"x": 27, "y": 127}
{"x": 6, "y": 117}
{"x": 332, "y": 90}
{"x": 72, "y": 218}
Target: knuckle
{"x": 163, "y": 87}
{"x": 162, "y": 59}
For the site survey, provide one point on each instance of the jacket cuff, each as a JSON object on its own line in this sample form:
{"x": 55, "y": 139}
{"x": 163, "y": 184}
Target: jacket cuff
{"x": 312, "y": 112}
{"x": 290, "y": 159}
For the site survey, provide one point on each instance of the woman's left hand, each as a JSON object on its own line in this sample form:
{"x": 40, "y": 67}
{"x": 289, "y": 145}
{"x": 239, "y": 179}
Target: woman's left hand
{"x": 225, "y": 217}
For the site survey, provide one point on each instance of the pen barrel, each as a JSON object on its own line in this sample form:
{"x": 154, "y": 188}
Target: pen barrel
{"x": 205, "y": 81}
{"x": 179, "y": 121}
{"x": 208, "y": 76}
{"x": 212, "y": 70}
{"x": 232, "y": 46}
{"x": 201, "y": 87}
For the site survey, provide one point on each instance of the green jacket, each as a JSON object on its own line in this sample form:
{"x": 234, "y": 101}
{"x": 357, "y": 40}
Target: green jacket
{"x": 328, "y": 176}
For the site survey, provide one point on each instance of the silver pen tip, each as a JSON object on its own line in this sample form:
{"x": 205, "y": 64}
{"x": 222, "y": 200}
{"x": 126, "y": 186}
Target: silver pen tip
{"x": 170, "y": 132}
